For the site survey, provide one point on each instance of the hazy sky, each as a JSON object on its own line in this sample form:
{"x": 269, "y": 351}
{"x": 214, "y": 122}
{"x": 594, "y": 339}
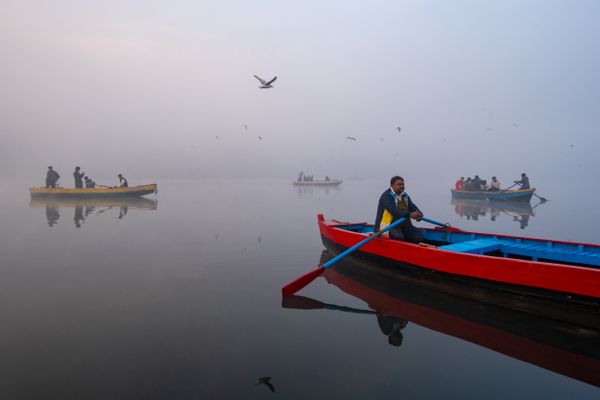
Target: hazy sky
{"x": 131, "y": 86}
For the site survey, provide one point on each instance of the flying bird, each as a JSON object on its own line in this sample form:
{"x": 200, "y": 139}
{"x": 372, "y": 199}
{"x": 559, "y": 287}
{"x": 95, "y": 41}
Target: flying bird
{"x": 216, "y": 137}
{"x": 245, "y": 126}
{"x": 399, "y": 129}
{"x": 264, "y": 84}
{"x": 260, "y": 137}
{"x": 266, "y": 380}
{"x": 350, "y": 138}
{"x": 515, "y": 124}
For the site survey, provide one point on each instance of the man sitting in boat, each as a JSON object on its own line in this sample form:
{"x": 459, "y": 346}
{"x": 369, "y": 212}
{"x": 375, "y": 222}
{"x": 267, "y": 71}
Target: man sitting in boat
{"x": 395, "y": 203}
{"x": 494, "y": 185}
{"x": 122, "y": 181}
{"x": 524, "y": 182}
{"x": 51, "y": 178}
{"x": 89, "y": 183}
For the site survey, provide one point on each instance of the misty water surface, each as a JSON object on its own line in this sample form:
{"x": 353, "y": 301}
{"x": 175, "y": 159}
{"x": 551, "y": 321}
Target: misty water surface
{"x": 180, "y": 298}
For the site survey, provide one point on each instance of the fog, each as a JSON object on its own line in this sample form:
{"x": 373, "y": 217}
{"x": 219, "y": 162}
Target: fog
{"x": 145, "y": 87}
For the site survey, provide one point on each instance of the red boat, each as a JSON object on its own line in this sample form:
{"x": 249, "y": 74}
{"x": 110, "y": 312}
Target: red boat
{"x": 544, "y": 268}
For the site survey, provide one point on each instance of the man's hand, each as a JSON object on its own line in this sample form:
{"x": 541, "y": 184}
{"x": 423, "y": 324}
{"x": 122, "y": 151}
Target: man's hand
{"x": 417, "y": 215}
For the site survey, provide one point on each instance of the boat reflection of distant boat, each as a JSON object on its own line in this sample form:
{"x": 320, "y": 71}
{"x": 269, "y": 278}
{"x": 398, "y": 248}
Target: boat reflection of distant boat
{"x": 84, "y": 207}
{"x": 309, "y": 191}
{"x": 532, "y": 332}
{"x": 474, "y": 209}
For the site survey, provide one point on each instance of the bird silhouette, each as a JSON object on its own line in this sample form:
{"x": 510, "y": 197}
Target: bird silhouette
{"x": 264, "y": 84}
{"x": 515, "y": 124}
{"x": 260, "y": 137}
{"x": 245, "y": 126}
{"x": 259, "y": 239}
{"x": 216, "y": 137}
{"x": 266, "y": 380}
{"x": 350, "y": 138}
{"x": 399, "y": 129}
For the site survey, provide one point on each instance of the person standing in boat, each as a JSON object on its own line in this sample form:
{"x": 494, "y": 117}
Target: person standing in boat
{"x": 78, "y": 177}
{"x": 524, "y": 182}
{"x": 394, "y": 204}
{"x": 122, "y": 181}
{"x": 51, "y": 178}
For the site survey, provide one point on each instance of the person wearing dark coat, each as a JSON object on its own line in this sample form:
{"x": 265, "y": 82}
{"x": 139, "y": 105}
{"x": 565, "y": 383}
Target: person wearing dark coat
{"x": 524, "y": 182}
{"x": 394, "y": 204}
{"x": 51, "y": 178}
{"x": 78, "y": 177}
{"x": 122, "y": 181}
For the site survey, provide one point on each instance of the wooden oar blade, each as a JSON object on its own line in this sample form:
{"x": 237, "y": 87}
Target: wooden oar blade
{"x": 301, "y": 282}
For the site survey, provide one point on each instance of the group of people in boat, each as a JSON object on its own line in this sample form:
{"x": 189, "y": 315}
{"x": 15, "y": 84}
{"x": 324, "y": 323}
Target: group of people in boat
{"x": 477, "y": 184}
{"x": 309, "y": 178}
{"x": 81, "y": 179}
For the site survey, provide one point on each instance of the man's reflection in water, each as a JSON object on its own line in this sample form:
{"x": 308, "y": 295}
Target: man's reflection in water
{"x": 78, "y": 216}
{"x": 391, "y": 327}
{"x": 52, "y": 215}
{"x": 122, "y": 211}
{"x": 523, "y": 221}
{"x": 89, "y": 210}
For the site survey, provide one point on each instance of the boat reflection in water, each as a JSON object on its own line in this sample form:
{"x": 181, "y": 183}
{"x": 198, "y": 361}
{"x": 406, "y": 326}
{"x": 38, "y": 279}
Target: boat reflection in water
{"x": 474, "y": 209}
{"x": 84, "y": 208}
{"x": 310, "y": 191}
{"x": 559, "y": 338}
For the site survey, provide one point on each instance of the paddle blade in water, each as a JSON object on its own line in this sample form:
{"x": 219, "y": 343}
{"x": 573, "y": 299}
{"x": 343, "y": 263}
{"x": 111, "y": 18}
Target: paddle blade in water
{"x": 301, "y": 281}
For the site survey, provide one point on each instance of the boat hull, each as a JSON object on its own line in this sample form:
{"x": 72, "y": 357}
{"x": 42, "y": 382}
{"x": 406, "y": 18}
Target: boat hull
{"x": 333, "y": 182}
{"x": 98, "y": 192}
{"x": 538, "y": 278}
{"x": 503, "y": 195}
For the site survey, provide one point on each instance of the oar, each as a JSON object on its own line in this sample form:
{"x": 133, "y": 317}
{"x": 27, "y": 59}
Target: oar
{"x": 431, "y": 221}
{"x": 542, "y": 199}
{"x": 307, "y": 278}
{"x": 508, "y": 188}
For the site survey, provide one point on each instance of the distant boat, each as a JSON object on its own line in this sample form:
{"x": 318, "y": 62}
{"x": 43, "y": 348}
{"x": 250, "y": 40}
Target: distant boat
{"x": 102, "y": 191}
{"x": 331, "y": 182}
{"x": 512, "y": 195}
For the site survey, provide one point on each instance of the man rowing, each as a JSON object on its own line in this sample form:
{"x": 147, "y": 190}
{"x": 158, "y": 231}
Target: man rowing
{"x": 394, "y": 204}
{"x": 524, "y": 182}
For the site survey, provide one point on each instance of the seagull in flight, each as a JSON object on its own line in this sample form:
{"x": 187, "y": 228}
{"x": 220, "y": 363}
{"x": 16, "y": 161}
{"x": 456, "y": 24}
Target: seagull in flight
{"x": 350, "y": 138}
{"x": 266, "y": 380}
{"x": 260, "y": 137}
{"x": 264, "y": 84}
{"x": 399, "y": 129}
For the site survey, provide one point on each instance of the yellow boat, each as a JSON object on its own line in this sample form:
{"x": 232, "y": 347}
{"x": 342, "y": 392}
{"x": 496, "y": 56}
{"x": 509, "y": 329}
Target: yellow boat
{"x": 103, "y": 191}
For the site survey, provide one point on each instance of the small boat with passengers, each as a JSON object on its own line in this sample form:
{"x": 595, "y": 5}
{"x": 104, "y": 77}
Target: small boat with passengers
{"x": 98, "y": 191}
{"x": 324, "y": 182}
{"x": 500, "y": 195}
{"x": 546, "y": 268}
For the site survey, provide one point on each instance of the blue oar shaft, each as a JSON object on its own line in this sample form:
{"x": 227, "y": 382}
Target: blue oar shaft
{"x": 362, "y": 243}
{"x": 431, "y": 221}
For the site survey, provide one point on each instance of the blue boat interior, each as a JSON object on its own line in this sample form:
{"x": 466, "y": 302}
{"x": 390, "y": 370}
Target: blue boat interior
{"x": 502, "y": 246}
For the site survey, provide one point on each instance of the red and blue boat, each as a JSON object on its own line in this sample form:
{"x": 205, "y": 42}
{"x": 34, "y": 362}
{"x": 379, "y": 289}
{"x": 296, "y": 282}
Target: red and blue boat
{"x": 560, "y": 270}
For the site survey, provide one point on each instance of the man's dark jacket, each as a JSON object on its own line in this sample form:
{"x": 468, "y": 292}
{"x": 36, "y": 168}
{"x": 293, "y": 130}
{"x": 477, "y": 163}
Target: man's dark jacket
{"x": 387, "y": 201}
